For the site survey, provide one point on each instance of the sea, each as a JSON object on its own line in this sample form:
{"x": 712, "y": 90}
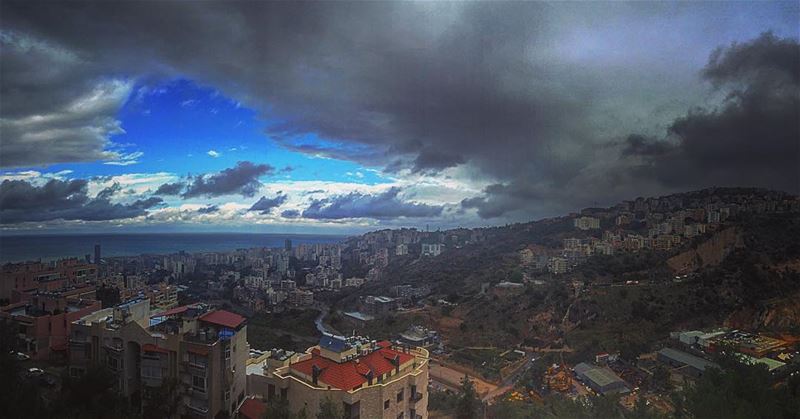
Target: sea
{"x": 49, "y": 247}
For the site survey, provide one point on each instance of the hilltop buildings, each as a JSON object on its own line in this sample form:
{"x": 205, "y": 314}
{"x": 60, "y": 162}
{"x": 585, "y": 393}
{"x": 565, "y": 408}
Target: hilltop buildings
{"x": 369, "y": 379}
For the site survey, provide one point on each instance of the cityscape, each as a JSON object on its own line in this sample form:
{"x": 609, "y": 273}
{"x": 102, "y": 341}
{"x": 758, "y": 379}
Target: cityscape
{"x": 428, "y": 210}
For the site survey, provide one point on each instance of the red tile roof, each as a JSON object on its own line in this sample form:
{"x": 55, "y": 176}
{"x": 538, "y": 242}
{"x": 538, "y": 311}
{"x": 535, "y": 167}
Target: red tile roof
{"x": 149, "y": 347}
{"x": 223, "y": 318}
{"x": 252, "y": 409}
{"x": 351, "y": 374}
{"x": 200, "y": 350}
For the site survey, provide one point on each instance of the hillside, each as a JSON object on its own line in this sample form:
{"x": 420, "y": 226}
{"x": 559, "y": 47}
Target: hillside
{"x": 739, "y": 273}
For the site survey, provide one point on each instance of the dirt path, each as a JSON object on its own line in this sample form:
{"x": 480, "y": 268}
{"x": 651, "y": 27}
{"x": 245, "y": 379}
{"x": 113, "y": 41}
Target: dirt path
{"x": 452, "y": 378}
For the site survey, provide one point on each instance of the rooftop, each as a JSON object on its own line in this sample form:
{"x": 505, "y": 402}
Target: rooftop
{"x": 351, "y": 374}
{"x": 252, "y": 409}
{"x": 223, "y": 318}
{"x": 602, "y": 376}
{"x": 688, "y": 359}
{"x": 359, "y": 316}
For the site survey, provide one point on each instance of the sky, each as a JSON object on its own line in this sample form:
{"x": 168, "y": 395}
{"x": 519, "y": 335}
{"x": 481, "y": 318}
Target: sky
{"x": 344, "y": 117}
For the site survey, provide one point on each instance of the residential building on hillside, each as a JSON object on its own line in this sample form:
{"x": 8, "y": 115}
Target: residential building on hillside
{"x": 432, "y": 249}
{"x": 17, "y": 278}
{"x": 203, "y": 350}
{"x": 44, "y": 319}
{"x": 557, "y": 265}
{"x": 587, "y": 223}
{"x": 368, "y": 379}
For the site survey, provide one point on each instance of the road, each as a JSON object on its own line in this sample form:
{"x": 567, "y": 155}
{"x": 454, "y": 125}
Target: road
{"x": 511, "y": 381}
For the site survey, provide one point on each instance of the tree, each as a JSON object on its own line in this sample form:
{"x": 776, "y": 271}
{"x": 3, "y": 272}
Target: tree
{"x": 162, "y": 402}
{"x": 468, "y": 403}
{"x": 661, "y": 378}
{"x": 329, "y": 409}
{"x": 278, "y": 409}
{"x": 741, "y": 391}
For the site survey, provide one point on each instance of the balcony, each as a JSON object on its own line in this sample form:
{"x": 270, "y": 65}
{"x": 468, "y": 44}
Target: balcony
{"x": 197, "y": 408}
{"x": 197, "y": 394}
{"x": 415, "y": 397}
{"x": 195, "y": 368}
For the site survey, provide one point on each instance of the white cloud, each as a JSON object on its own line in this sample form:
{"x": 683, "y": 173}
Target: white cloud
{"x": 126, "y": 159}
{"x": 213, "y": 153}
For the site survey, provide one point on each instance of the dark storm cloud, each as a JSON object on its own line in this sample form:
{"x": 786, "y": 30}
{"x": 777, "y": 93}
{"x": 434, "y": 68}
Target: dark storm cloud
{"x": 290, "y": 213}
{"x": 265, "y": 205}
{"x": 57, "y": 106}
{"x": 170, "y": 189}
{"x": 21, "y": 201}
{"x": 210, "y": 209}
{"x": 357, "y": 205}
{"x": 517, "y": 92}
{"x": 241, "y": 179}
{"x": 752, "y": 139}
{"x": 428, "y": 86}
{"x": 639, "y": 145}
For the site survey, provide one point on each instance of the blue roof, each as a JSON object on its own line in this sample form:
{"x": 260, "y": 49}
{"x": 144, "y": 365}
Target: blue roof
{"x": 333, "y": 343}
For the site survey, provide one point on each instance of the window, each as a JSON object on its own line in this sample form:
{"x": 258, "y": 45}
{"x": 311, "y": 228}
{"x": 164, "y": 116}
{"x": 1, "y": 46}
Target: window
{"x": 198, "y": 360}
{"x": 151, "y": 372}
{"x": 352, "y": 411}
{"x": 199, "y": 383}
{"x": 227, "y": 353}
{"x": 386, "y": 404}
{"x": 227, "y": 395}
{"x": 400, "y": 396}
{"x": 400, "y": 415}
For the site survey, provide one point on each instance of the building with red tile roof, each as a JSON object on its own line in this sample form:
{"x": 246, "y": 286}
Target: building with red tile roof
{"x": 252, "y": 408}
{"x": 370, "y": 379}
{"x": 223, "y": 318}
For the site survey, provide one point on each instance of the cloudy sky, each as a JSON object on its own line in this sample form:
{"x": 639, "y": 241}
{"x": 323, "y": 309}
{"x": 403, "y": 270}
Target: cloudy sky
{"x": 343, "y": 117}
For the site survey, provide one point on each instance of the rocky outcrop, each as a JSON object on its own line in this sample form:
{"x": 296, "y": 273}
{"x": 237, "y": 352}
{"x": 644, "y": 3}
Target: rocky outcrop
{"x": 778, "y": 314}
{"x": 709, "y": 253}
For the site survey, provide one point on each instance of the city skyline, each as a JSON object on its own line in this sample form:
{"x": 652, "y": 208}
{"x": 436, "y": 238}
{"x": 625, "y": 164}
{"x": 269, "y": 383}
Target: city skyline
{"x": 343, "y": 118}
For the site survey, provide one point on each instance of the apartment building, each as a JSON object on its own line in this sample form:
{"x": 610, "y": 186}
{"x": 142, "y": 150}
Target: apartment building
{"x": 586, "y": 223}
{"x": 369, "y": 379}
{"x": 204, "y": 351}
{"x": 18, "y": 278}
{"x": 43, "y": 319}
{"x": 162, "y": 296}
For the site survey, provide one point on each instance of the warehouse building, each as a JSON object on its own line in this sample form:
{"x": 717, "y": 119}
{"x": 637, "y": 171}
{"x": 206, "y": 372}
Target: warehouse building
{"x": 600, "y": 379}
{"x": 688, "y": 364}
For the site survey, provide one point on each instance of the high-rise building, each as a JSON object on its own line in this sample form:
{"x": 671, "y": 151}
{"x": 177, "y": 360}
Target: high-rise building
{"x": 368, "y": 379}
{"x": 287, "y": 245}
{"x": 97, "y": 254}
{"x": 204, "y": 351}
